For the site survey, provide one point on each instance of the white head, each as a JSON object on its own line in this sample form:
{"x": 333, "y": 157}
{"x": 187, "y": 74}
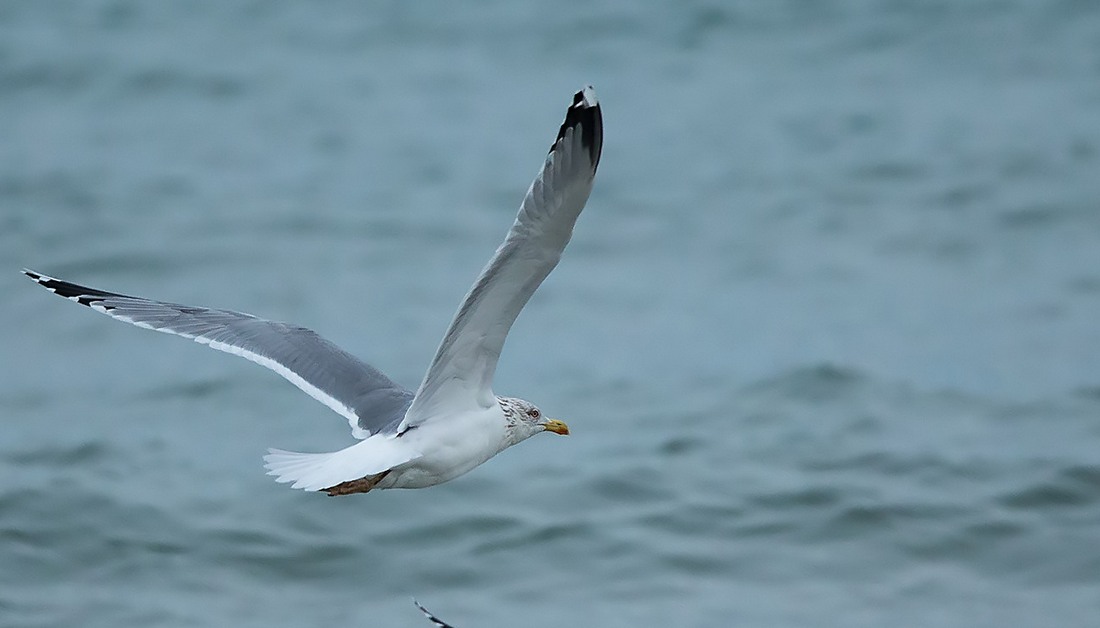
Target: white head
{"x": 524, "y": 420}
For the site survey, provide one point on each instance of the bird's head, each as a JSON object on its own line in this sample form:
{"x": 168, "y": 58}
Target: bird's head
{"x": 524, "y": 419}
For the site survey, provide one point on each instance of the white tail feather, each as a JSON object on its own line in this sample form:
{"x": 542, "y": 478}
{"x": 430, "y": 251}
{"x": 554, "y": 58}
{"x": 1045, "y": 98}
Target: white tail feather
{"x": 315, "y": 472}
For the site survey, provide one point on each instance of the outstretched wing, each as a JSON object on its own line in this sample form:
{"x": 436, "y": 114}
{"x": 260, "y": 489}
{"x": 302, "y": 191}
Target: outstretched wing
{"x": 461, "y": 374}
{"x": 369, "y": 400}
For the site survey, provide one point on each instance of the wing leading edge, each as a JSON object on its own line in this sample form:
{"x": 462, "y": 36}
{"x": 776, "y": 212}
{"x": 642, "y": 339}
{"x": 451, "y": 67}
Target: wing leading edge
{"x": 370, "y": 401}
{"x": 462, "y": 371}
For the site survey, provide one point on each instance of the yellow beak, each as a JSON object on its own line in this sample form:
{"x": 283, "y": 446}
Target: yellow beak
{"x": 557, "y": 427}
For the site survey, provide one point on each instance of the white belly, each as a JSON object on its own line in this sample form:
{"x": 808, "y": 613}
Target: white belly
{"x": 450, "y": 446}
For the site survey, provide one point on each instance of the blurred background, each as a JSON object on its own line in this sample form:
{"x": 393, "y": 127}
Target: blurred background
{"x": 828, "y": 333}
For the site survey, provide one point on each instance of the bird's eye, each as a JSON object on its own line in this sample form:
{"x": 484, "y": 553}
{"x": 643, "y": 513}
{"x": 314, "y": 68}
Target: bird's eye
{"x": 533, "y": 413}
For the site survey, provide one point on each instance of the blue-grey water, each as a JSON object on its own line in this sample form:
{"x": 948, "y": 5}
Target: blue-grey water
{"x": 828, "y": 333}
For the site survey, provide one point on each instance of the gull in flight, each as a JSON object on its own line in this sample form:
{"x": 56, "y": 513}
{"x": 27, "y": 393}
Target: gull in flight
{"x": 454, "y": 421}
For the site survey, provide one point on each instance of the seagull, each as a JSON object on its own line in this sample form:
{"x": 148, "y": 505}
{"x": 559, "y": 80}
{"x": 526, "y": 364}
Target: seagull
{"x": 454, "y": 421}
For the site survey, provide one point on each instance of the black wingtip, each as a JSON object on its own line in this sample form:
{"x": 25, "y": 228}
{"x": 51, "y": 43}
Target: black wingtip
{"x": 585, "y": 111}
{"x": 81, "y": 294}
{"x": 432, "y": 618}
